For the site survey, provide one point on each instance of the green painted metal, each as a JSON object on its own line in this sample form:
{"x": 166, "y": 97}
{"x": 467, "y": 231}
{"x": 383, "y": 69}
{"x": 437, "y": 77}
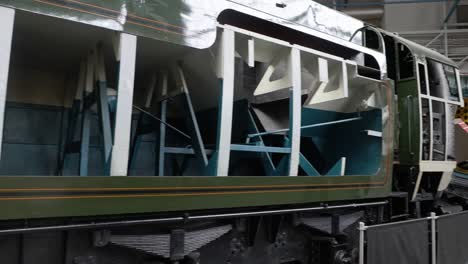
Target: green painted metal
{"x": 45, "y": 204}
{"x": 409, "y": 137}
{"x": 40, "y": 197}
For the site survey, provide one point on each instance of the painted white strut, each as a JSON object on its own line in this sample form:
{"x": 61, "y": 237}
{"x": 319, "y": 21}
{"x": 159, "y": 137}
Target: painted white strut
{"x": 295, "y": 111}
{"x": 123, "y": 116}
{"x": 223, "y": 147}
{"x": 7, "y": 19}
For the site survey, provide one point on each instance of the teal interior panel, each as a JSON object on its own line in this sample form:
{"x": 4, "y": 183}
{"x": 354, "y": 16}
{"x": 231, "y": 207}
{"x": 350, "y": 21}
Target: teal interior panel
{"x": 363, "y": 153}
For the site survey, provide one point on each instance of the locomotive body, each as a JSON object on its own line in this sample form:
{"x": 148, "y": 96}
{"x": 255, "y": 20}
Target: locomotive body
{"x": 252, "y": 114}
{"x": 209, "y": 123}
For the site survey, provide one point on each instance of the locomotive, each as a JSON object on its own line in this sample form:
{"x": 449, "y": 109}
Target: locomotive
{"x": 157, "y": 131}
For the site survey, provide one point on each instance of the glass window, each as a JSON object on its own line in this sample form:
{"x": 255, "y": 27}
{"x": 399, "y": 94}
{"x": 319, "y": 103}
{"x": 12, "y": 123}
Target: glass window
{"x": 422, "y": 79}
{"x": 452, "y": 83}
{"x": 464, "y": 85}
{"x": 406, "y": 62}
{"x": 442, "y": 81}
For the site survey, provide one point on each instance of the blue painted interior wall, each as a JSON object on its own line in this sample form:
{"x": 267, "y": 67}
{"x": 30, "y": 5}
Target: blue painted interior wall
{"x": 363, "y": 153}
{"x": 32, "y": 142}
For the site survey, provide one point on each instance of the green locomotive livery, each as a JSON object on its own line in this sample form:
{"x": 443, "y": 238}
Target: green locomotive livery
{"x": 215, "y": 120}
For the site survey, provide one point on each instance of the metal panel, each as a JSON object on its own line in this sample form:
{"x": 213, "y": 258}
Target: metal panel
{"x": 7, "y": 19}
{"x": 123, "y": 116}
{"x": 325, "y": 19}
{"x": 193, "y": 22}
{"x": 405, "y": 243}
{"x": 43, "y": 248}
{"x": 190, "y": 22}
{"x": 452, "y": 233}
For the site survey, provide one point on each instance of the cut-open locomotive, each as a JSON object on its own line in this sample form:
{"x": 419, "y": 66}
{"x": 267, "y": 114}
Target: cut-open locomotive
{"x": 242, "y": 131}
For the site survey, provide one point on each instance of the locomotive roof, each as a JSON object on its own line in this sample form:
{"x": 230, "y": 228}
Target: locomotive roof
{"x": 420, "y": 50}
{"x": 193, "y": 22}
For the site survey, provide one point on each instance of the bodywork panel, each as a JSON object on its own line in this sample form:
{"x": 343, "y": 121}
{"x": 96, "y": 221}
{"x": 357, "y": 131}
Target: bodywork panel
{"x": 189, "y": 22}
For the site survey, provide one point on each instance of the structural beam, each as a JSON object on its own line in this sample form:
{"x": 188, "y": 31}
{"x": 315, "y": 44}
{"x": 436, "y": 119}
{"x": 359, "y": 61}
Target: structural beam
{"x": 295, "y": 105}
{"x": 123, "y": 116}
{"x": 434, "y": 39}
{"x": 383, "y": 3}
{"x": 223, "y": 144}
{"x": 452, "y": 10}
{"x": 463, "y": 62}
{"x": 196, "y": 137}
{"x": 435, "y": 31}
{"x": 101, "y": 98}
{"x": 86, "y": 116}
{"x": 162, "y": 127}
{"x": 7, "y": 19}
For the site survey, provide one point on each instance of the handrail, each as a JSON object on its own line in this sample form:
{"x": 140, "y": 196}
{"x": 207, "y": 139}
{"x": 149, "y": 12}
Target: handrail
{"x": 409, "y": 102}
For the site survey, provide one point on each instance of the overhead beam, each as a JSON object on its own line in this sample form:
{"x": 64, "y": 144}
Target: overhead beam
{"x": 123, "y": 116}
{"x": 436, "y": 31}
{"x": 452, "y": 10}
{"x": 463, "y": 62}
{"x": 434, "y": 39}
{"x": 7, "y": 19}
{"x": 383, "y": 3}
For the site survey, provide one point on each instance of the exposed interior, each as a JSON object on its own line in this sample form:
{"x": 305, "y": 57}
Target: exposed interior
{"x": 337, "y": 100}
{"x": 43, "y": 79}
{"x": 367, "y": 65}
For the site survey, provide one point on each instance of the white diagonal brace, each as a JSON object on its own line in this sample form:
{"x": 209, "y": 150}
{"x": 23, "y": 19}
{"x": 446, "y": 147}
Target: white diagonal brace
{"x": 223, "y": 147}
{"x": 7, "y": 19}
{"x": 123, "y": 116}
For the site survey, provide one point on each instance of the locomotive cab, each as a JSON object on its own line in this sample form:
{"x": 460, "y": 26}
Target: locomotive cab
{"x": 428, "y": 92}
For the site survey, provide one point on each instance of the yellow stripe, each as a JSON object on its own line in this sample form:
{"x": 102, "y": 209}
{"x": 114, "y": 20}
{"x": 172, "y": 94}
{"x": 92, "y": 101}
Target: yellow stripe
{"x": 172, "y": 195}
